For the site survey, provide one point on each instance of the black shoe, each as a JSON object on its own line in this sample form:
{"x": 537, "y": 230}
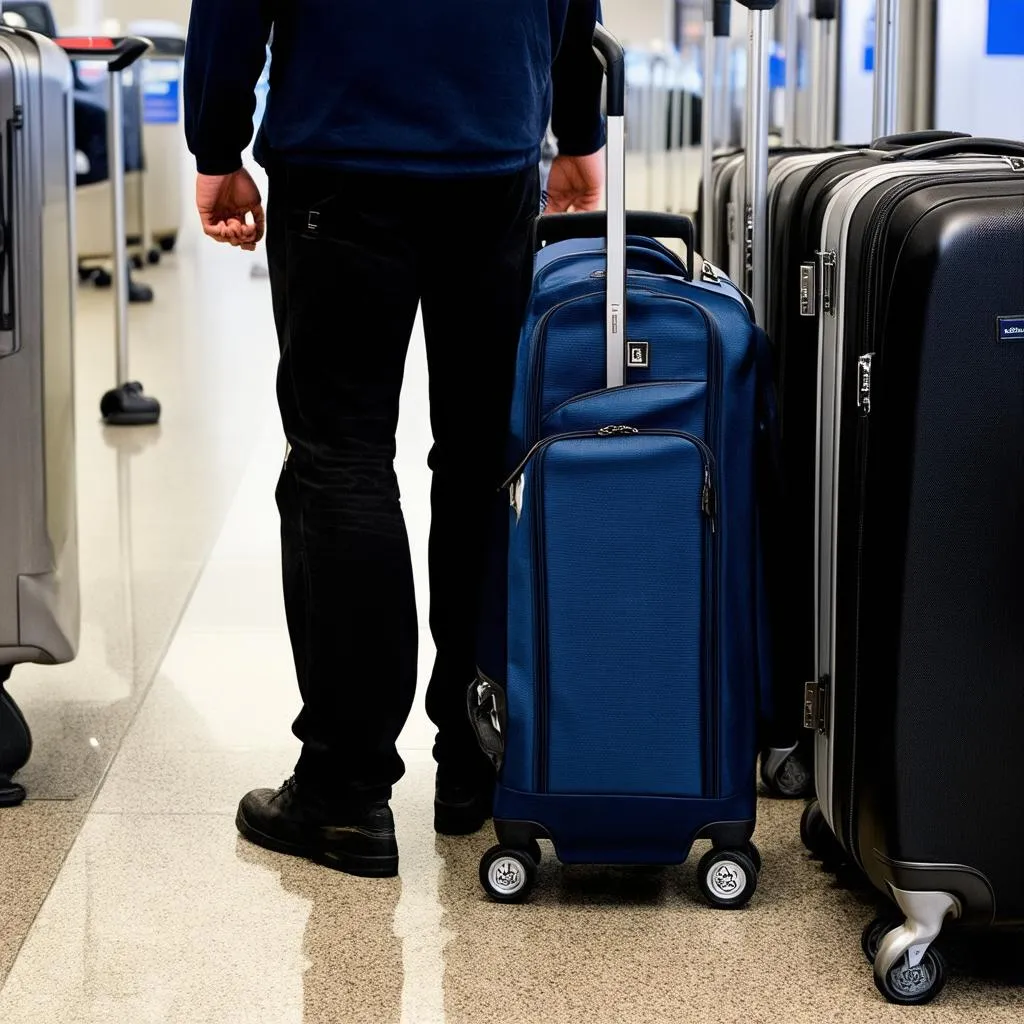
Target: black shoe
{"x": 461, "y": 808}
{"x": 358, "y": 841}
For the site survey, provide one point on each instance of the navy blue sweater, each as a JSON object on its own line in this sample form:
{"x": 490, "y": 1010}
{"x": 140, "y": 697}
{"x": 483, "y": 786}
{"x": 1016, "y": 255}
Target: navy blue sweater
{"x": 435, "y": 87}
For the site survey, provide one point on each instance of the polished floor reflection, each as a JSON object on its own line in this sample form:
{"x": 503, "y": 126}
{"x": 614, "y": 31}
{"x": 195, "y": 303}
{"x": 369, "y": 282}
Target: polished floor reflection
{"x": 182, "y": 700}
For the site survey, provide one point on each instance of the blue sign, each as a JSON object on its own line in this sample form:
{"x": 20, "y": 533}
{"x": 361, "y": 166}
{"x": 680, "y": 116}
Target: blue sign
{"x": 1006, "y": 28}
{"x": 776, "y": 69}
{"x": 161, "y": 104}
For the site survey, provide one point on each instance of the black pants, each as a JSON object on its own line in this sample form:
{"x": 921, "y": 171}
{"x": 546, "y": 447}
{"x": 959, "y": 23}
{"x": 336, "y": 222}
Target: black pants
{"x": 352, "y": 257}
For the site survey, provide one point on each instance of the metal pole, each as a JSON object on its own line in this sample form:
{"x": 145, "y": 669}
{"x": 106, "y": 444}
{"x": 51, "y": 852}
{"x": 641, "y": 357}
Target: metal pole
{"x": 115, "y": 150}
{"x": 830, "y": 49}
{"x": 886, "y": 52}
{"x": 708, "y": 115}
{"x": 791, "y": 42}
{"x": 756, "y": 240}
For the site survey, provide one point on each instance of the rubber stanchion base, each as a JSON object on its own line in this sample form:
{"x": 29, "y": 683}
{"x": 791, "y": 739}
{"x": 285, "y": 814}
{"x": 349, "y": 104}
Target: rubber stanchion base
{"x": 129, "y": 406}
{"x": 11, "y": 794}
{"x": 138, "y": 293}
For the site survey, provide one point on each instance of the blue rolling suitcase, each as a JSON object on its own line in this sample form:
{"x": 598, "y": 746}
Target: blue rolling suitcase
{"x": 626, "y": 725}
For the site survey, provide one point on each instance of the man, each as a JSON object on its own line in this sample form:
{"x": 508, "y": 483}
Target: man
{"x": 402, "y": 142}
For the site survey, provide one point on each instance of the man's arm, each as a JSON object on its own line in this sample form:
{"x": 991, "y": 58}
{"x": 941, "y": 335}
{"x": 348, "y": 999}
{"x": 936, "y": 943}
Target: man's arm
{"x": 224, "y": 56}
{"x": 576, "y": 79}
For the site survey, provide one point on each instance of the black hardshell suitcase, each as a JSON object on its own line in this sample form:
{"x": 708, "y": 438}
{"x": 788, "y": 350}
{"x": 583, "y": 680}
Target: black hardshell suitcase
{"x": 801, "y": 187}
{"x": 916, "y": 703}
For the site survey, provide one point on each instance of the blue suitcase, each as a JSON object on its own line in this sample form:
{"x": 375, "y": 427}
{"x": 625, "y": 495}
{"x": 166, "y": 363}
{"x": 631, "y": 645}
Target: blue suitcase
{"x": 625, "y": 727}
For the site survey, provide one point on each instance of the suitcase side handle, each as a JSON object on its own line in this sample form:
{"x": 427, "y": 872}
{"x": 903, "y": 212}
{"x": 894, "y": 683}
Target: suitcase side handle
{"x": 964, "y": 146}
{"x": 7, "y": 239}
{"x": 560, "y": 227}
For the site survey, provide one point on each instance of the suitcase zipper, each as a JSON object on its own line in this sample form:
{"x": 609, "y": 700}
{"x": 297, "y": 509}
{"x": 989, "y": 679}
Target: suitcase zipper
{"x": 709, "y": 508}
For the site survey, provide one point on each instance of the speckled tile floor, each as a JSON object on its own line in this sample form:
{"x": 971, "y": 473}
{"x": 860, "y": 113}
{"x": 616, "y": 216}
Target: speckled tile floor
{"x": 160, "y": 913}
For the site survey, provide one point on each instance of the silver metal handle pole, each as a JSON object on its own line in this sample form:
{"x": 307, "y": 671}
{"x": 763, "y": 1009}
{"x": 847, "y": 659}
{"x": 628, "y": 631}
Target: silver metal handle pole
{"x": 887, "y": 33}
{"x": 610, "y": 52}
{"x": 756, "y": 241}
{"x": 616, "y": 244}
{"x": 791, "y": 43}
{"x": 675, "y": 103}
{"x": 823, "y": 79}
{"x": 709, "y": 113}
{"x": 115, "y": 150}
{"x": 830, "y": 51}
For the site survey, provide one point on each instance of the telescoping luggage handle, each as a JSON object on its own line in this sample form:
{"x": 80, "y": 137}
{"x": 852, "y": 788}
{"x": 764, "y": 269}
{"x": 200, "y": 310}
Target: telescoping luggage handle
{"x": 615, "y": 224}
{"x": 717, "y": 26}
{"x": 756, "y": 220}
{"x": 613, "y": 57}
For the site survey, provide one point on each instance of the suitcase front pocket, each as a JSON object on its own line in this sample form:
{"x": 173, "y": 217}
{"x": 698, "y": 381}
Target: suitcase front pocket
{"x": 624, "y": 550}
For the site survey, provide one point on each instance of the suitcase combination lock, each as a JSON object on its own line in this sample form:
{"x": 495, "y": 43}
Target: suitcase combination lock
{"x": 816, "y": 705}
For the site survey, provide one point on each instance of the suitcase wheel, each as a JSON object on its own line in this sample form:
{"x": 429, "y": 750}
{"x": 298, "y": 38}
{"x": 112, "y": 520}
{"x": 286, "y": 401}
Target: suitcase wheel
{"x": 817, "y": 837}
{"x": 508, "y": 875}
{"x": 874, "y": 932}
{"x": 788, "y": 777}
{"x": 914, "y": 986}
{"x": 728, "y": 878}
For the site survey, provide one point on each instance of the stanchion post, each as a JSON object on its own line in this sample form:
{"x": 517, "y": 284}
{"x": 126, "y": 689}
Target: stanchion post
{"x": 126, "y": 404}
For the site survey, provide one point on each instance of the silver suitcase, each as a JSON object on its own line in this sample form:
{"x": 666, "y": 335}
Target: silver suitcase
{"x": 39, "y": 597}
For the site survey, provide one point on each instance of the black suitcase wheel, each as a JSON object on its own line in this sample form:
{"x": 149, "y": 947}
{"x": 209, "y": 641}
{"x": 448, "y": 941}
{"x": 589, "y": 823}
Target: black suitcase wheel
{"x": 914, "y": 986}
{"x": 168, "y": 242}
{"x": 507, "y": 875}
{"x": 815, "y": 833}
{"x": 755, "y": 856}
{"x": 727, "y": 878}
{"x": 791, "y": 780}
{"x": 874, "y": 932}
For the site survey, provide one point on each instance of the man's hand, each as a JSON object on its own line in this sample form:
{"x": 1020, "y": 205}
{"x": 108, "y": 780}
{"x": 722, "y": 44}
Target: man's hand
{"x": 576, "y": 184}
{"x": 225, "y": 202}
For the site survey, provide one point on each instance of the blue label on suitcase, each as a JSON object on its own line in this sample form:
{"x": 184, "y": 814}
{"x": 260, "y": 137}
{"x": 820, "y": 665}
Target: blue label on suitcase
{"x": 1006, "y": 28}
{"x": 1011, "y": 328}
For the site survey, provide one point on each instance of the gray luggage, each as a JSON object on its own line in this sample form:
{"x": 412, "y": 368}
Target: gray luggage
{"x": 39, "y": 599}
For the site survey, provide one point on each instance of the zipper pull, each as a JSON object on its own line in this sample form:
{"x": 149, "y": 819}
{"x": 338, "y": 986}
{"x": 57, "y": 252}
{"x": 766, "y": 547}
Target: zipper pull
{"x": 515, "y": 495}
{"x": 617, "y": 431}
{"x": 707, "y": 498}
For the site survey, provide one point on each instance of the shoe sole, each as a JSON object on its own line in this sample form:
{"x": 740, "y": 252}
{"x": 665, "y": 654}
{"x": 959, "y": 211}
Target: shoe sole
{"x": 458, "y": 821}
{"x": 359, "y": 864}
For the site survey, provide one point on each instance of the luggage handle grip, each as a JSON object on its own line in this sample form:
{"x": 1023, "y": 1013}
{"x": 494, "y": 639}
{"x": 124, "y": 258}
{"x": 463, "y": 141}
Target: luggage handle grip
{"x": 824, "y": 10}
{"x": 965, "y": 146}
{"x": 613, "y": 57}
{"x": 905, "y": 140}
{"x": 119, "y": 53}
{"x": 560, "y": 227}
{"x": 719, "y": 13}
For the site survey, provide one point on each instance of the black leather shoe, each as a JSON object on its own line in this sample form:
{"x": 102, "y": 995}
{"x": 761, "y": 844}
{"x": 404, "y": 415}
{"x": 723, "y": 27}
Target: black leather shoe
{"x": 357, "y": 841}
{"x": 461, "y": 808}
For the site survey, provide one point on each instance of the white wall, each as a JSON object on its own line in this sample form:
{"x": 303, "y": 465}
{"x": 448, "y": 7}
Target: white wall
{"x": 974, "y": 92}
{"x": 638, "y": 23}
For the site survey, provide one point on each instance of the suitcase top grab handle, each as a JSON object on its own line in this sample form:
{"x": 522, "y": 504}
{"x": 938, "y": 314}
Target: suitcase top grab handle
{"x": 959, "y": 146}
{"x": 559, "y": 227}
